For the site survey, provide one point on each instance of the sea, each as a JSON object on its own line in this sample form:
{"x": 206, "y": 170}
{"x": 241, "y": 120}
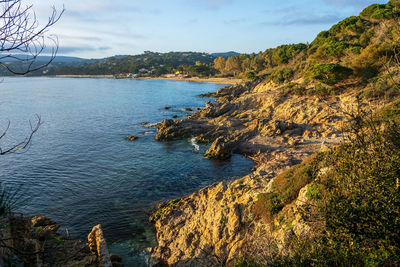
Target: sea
{"x": 81, "y": 171}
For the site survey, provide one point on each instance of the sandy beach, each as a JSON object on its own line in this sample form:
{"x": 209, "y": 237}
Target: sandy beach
{"x": 193, "y": 79}
{"x": 197, "y": 79}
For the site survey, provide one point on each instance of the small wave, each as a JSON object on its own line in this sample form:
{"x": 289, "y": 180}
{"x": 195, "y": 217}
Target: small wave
{"x": 194, "y": 144}
{"x": 148, "y": 132}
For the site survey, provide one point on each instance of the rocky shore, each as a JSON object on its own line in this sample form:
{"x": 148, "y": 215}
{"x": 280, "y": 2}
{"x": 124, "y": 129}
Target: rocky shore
{"x": 36, "y": 241}
{"x": 218, "y": 225}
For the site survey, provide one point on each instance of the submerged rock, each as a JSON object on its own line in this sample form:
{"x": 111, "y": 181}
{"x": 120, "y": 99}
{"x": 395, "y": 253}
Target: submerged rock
{"x": 131, "y": 138}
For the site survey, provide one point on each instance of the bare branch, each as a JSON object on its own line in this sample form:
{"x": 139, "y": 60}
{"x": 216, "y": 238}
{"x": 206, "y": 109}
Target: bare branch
{"x": 23, "y": 145}
{"x": 20, "y": 33}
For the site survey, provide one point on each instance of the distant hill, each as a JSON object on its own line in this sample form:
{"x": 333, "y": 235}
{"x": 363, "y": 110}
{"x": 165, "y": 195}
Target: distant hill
{"x": 225, "y": 54}
{"x": 57, "y": 59}
{"x": 149, "y": 63}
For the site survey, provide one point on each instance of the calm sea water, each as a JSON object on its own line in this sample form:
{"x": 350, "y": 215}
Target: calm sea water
{"x": 81, "y": 171}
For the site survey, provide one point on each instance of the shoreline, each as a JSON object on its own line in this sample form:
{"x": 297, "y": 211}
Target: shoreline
{"x": 83, "y": 76}
{"x": 193, "y": 79}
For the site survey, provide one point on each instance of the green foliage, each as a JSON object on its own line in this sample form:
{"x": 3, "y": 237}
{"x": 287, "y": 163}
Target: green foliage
{"x": 284, "y": 53}
{"x": 331, "y": 48}
{"x": 355, "y": 50}
{"x": 246, "y": 262}
{"x": 286, "y": 187}
{"x": 360, "y": 200}
{"x": 320, "y": 90}
{"x": 153, "y": 63}
{"x": 351, "y": 24}
{"x": 329, "y": 73}
{"x": 289, "y": 183}
{"x": 281, "y": 75}
{"x": 390, "y": 113}
{"x": 201, "y": 70}
{"x": 381, "y": 88}
{"x": 289, "y": 226}
{"x": 250, "y": 75}
{"x": 313, "y": 192}
{"x": 268, "y": 205}
{"x": 377, "y": 11}
{"x": 363, "y": 201}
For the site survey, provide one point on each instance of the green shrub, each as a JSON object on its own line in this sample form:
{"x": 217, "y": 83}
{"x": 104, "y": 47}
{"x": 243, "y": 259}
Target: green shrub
{"x": 320, "y": 90}
{"x": 246, "y": 262}
{"x": 267, "y": 205}
{"x": 313, "y": 192}
{"x": 355, "y": 50}
{"x": 286, "y": 187}
{"x": 330, "y": 48}
{"x": 354, "y": 24}
{"x": 281, "y": 75}
{"x": 330, "y": 73}
{"x": 284, "y": 53}
{"x": 250, "y": 75}
{"x": 360, "y": 208}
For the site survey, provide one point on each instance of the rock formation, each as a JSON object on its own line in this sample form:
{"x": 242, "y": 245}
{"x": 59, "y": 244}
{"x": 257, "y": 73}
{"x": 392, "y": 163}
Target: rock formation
{"x": 217, "y": 225}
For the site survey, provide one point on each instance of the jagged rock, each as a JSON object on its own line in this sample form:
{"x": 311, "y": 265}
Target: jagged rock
{"x": 223, "y": 146}
{"x": 98, "y": 246}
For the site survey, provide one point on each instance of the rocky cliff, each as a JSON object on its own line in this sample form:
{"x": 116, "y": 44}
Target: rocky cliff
{"x": 220, "y": 224}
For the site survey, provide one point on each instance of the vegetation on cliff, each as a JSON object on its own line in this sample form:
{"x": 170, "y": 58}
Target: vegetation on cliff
{"x": 353, "y": 199}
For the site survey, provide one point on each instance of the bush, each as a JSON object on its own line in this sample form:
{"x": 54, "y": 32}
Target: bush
{"x": 330, "y": 48}
{"x": 286, "y": 187}
{"x": 330, "y": 73}
{"x": 360, "y": 207}
{"x": 267, "y": 205}
{"x": 313, "y": 192}
{"x": 245, "y": 262}
{"x": 281, "y": 75}
{"x": 353, "y": 24}
{"x": 251, "y": 75}
{"x": 320, "y": 90}
{"x": 381, "y": 88}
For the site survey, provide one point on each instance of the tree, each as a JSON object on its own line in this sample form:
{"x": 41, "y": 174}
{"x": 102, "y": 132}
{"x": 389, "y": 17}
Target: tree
{"x": 22, "y": 39}
{"x": 233, "y": 65}
{"x": 219, "y": 64}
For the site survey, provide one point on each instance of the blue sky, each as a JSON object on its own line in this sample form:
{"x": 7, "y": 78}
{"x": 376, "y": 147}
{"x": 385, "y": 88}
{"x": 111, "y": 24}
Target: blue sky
{"x": 100, "y": 28}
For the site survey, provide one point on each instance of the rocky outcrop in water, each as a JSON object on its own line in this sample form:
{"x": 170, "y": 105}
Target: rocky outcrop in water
{"x": 98, "y": 246}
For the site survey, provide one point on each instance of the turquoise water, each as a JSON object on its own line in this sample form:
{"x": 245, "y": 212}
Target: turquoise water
{"x": 81, "y": 171}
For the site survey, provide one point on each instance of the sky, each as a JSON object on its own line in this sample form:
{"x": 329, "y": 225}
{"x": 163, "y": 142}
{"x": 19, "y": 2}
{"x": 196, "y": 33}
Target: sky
{"x": 102, "y": 28}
